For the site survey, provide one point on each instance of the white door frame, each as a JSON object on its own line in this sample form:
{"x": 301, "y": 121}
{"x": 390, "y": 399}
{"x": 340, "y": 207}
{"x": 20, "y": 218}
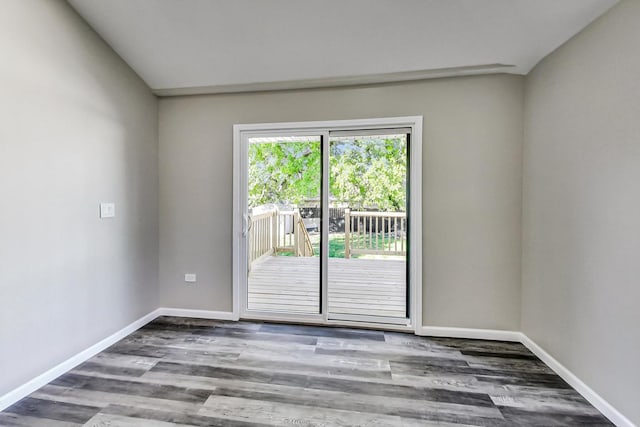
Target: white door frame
{"x": 240, "y": 134}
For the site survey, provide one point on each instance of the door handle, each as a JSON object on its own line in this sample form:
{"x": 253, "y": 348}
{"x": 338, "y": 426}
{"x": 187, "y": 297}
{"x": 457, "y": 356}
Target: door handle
{"x": 245, "y": 225}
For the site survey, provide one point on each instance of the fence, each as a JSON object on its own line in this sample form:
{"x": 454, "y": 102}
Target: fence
{"x": 336, "y": 217}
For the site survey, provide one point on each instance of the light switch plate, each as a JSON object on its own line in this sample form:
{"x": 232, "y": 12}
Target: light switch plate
{"x": 190, "y": 278}
{"x": 107, "y": 210}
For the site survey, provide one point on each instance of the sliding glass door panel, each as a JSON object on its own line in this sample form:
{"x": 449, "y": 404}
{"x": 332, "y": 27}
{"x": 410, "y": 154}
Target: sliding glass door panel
{"x": 283, "y": 234}
{"x": 368, "y": 227}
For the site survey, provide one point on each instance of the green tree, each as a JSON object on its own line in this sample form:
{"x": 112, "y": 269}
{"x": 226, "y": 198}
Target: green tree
{"x": 283, "y": 172}
{"x": 369, "y": 172}
{"x": 366, "y": 172}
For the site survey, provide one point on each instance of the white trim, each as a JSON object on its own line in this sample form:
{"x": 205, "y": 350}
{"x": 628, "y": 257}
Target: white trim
{"x": 587, "y": 392}
{"x": 292, "y": 318}
{"x": 317, "y": 127}
{"x": 403, "y": 76}
{"x": 479, "y": 334}
{"x": 29, "y": 387}
{"x": 415, "y": 222}
{"x": 320, "y": 321}
{"x": 324, "y": 229}
{"x": 199, "y": 314}
{"x": 361, "y": 318}
{"x": 371, "y": 325}
{"x": 237, "y": 225}
{"x": 241, "y": 132}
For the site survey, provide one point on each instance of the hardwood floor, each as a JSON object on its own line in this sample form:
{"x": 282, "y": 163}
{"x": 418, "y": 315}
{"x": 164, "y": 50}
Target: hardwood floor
{"x": 371, "y": 287}
{"x": 191, "y": 372}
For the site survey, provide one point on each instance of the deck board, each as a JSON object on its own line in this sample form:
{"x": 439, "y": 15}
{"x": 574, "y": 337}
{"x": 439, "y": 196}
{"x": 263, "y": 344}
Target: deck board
{"x": 372, "y": 287}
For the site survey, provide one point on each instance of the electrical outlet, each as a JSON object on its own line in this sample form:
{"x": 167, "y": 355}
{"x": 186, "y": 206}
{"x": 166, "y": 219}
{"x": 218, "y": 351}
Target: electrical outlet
{"x": 190, "y": 278}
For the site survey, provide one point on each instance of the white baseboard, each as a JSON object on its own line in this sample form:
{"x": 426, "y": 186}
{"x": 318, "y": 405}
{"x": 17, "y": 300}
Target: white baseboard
{"x": 486, "y": 334}
{"x": 200, "y": 314}
{"x": 481, "y": 334}
{"x": 594, "y": 398}
{"x": 26, "y": 389}
{"x": 588, "y": 393}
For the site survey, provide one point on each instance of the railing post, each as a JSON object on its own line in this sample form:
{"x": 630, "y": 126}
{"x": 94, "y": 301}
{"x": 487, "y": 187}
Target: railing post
{"x": 347, "y": 233}
{"x": 296, "y": 232}
{"x": 274, "y": 231}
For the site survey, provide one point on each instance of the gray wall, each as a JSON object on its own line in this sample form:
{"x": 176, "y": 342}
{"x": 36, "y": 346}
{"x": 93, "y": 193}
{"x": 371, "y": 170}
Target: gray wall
{"x": 77, "y": 127}
{"x": 471, "y": 181}
{"x": 581, "y": 269}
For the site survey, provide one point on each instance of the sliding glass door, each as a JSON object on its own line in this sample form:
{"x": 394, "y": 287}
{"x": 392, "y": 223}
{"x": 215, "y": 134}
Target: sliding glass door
{"x": 325, "y": 231}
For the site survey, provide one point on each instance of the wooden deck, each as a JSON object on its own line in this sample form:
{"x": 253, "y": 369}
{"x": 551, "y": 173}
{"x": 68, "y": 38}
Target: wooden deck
{"x": 373, "y": 287}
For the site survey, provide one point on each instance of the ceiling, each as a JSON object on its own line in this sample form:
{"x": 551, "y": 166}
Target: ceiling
{"x": 212, "y": 46}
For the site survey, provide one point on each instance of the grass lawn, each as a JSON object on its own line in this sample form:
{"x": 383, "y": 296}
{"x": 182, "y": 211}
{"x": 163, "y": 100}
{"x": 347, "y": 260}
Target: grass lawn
{"x": 336, "y": 247}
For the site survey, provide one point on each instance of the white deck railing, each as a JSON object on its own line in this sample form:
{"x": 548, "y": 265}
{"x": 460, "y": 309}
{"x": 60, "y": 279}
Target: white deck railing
{"x": 291, "y": 233}
{"x": 274, "y": 230}
{"x": 260, "y": 236}
{"x": 376, "y": 233}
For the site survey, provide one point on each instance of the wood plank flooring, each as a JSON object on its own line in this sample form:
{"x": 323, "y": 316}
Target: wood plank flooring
{"x": 372, "y": 287}
{"x": 191, "y": 372}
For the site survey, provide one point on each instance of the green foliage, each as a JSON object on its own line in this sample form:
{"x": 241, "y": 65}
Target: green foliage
{"x": 365, "y": 172}
{"x": 369, "y": 172}
{"x": 283, "y": 172}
